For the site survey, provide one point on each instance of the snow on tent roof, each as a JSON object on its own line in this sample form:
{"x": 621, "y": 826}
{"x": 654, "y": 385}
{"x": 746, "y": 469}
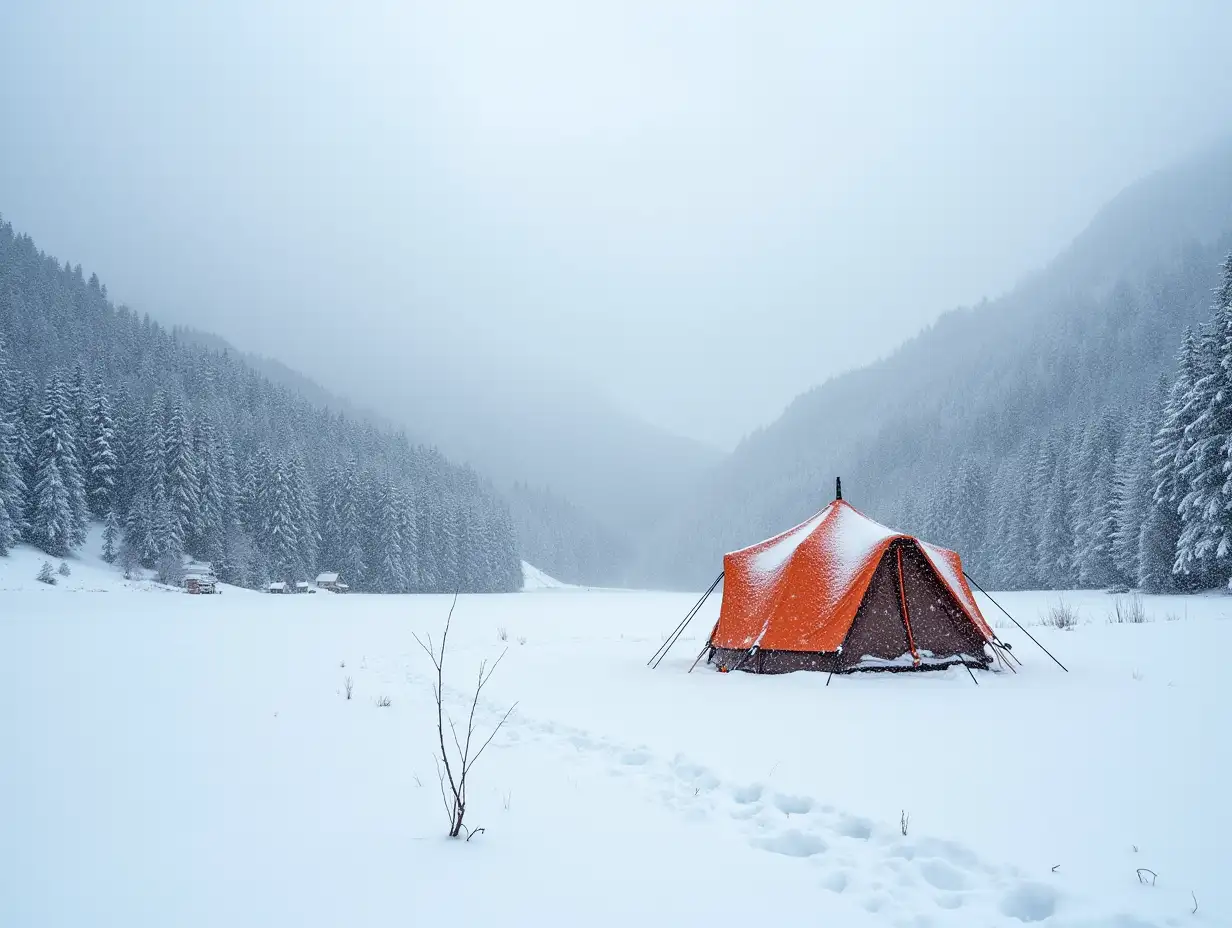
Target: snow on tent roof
{"x": 328, "y": 577}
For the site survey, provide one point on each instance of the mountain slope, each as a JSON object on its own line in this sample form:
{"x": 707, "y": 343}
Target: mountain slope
{"x": 183, "y": 449}
{"x": 981, "y": 394}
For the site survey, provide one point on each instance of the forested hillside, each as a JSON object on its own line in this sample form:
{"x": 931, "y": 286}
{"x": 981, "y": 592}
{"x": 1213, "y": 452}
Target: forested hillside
{"x": 1018, "y": 431}
{"x": 565, "y": 540}
{"x": 183, "y": 450}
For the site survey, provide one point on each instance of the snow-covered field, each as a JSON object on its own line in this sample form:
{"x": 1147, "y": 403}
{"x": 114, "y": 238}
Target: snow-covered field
{"x": 184, "y": 760}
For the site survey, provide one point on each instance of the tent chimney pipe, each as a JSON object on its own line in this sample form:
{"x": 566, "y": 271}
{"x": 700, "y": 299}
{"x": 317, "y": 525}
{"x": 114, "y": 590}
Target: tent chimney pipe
{"x": 838, "y": 488}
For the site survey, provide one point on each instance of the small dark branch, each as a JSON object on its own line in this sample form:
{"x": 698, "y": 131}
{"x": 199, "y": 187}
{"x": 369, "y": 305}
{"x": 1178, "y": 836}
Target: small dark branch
{"x": 1195, "y": 899}
{"x": 1142, "y": 870}
{"x": 903, "y": 821}
{"x": 471, "y": 834}
{"x": 1056, "y": 868}
{"x": 349, "y": 684}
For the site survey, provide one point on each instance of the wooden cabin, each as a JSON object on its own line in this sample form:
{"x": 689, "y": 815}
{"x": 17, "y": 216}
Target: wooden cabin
{"x": 329, "y": 580}
{"x": 278, "y": 586}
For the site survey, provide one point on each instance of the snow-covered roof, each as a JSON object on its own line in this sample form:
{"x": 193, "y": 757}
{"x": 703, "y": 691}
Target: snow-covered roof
{"x": 278, "y": 585}
{"x": 327, "y": 577}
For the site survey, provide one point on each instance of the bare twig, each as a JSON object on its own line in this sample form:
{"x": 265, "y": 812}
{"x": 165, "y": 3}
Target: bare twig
{"x": 1195, "y": 899}
{"x": 1142, "y": 870}
{"x": 903, "y": 821}
{"x": 349, "y": 684}
{"x": 452, "y": 770}
{"x": 1056, "y": 868}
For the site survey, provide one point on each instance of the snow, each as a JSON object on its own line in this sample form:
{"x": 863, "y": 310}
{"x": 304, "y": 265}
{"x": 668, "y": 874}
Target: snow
{"x": 192, "y": 760}
{"x": 777, "y": 551}
{"x": 535, "y": 579}
{"x": 327, "y": 577}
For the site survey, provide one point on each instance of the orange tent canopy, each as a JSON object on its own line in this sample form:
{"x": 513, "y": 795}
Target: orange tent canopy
{"x": 801, "y": 590}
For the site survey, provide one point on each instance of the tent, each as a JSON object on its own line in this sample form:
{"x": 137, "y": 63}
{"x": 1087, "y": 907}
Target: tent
{"x": 841, "y": 592}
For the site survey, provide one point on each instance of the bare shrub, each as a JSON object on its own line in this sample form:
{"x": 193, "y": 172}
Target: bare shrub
{"x": 64, "y": 571}
{"x": 1128, "y": 610}
{"x": 45, "y": 575}
{"x": 507, "y": 800}
{"x": 502, "y": 633}
{"x": 383, "y": 702}
{"x": 453, "y": 768}
{"x": 349, "y": 684}
{"x": 903, "y": 821}
{"x": 521, "y": 639}
{"x": 1061, "y": 615}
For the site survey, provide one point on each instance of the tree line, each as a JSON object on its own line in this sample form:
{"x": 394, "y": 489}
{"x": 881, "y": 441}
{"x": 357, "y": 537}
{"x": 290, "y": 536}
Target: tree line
{"x": 1127, "y": 498}
{"x": 180, "y": 450}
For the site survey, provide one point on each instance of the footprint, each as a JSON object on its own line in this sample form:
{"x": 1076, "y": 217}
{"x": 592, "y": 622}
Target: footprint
{"x": 875, "y": 903}
{"x": 792, "y": 843}
{"x": 836, "y": 882}
{"x": 792, "y": 805}
{"x": 747, "y": 794}
{"x": 953, "y": 901}
{"x": 1030, "y": 902}
{"x": 941, "y": 875}
{"x": 634, "y": 758}
{"x": 851, "y": 827}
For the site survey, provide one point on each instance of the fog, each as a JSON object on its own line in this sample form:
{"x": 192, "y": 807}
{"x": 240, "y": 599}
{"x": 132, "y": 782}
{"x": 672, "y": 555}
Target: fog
{"x": 696, "y": 210}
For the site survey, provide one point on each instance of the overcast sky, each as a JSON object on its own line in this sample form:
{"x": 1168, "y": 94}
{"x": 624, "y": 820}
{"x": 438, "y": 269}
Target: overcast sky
{"x": 701, "y": 208}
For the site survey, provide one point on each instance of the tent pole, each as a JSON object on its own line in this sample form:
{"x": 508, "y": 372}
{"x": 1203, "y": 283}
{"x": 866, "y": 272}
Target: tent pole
{"x": 838, "y": 657}
{"x": 706, "y": 647}
{"x": 747, "y": 654}
{"x": 667, "y": 645}
{"x": 1015, "y": 621}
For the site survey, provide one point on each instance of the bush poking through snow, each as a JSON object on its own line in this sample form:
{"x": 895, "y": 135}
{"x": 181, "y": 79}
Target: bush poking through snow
{"x": 349, "y": 684}
{"x": 903, "y": 821}
{"x": 45, "y": 575}
{"x": 502, "y": 633}
{"x": 453, "y": 768}
{"x": 1061, "y": 615}
{"x": 63, "y": 570}
{"x": 521, "y": 639}
{"x": 383, "y": 702}
{"x": 1128, "y": 610}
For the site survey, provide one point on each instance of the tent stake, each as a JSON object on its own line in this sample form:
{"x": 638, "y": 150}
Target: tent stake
{"x": 838, "y": 657}
{"x": 969, "y": 671}
{"x": 1015, "y": 621}
{"x": 657, "y": 657}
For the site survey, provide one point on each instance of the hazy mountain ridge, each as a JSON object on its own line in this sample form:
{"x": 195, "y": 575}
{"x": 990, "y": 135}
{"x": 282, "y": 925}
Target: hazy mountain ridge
{"x": 1091, "y": 333}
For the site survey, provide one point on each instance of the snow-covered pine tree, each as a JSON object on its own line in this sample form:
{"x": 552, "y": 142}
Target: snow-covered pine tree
{"x": 182, "y": 489}
{"x": 78, "y": 388}
{"x": 1133, "y": 491}
{"x": 1161, "y": 528}
{"x": 101, "y": 462}
{"x": 280, "y": 532}
{"x": 1055, "y": 554}
{"x": 57, "y": 520}
{"x": 111, "y": 536}
{"x": 12, "y": 487}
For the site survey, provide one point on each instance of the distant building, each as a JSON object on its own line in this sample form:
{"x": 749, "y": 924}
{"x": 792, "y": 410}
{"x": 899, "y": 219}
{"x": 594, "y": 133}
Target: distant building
{"x": 278, "y": 586}
{"x": 199, "y": 578}
{"x": 303, "y": 586}
{"x": 329, "y": 581}
{"x": 200, "y": 583}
